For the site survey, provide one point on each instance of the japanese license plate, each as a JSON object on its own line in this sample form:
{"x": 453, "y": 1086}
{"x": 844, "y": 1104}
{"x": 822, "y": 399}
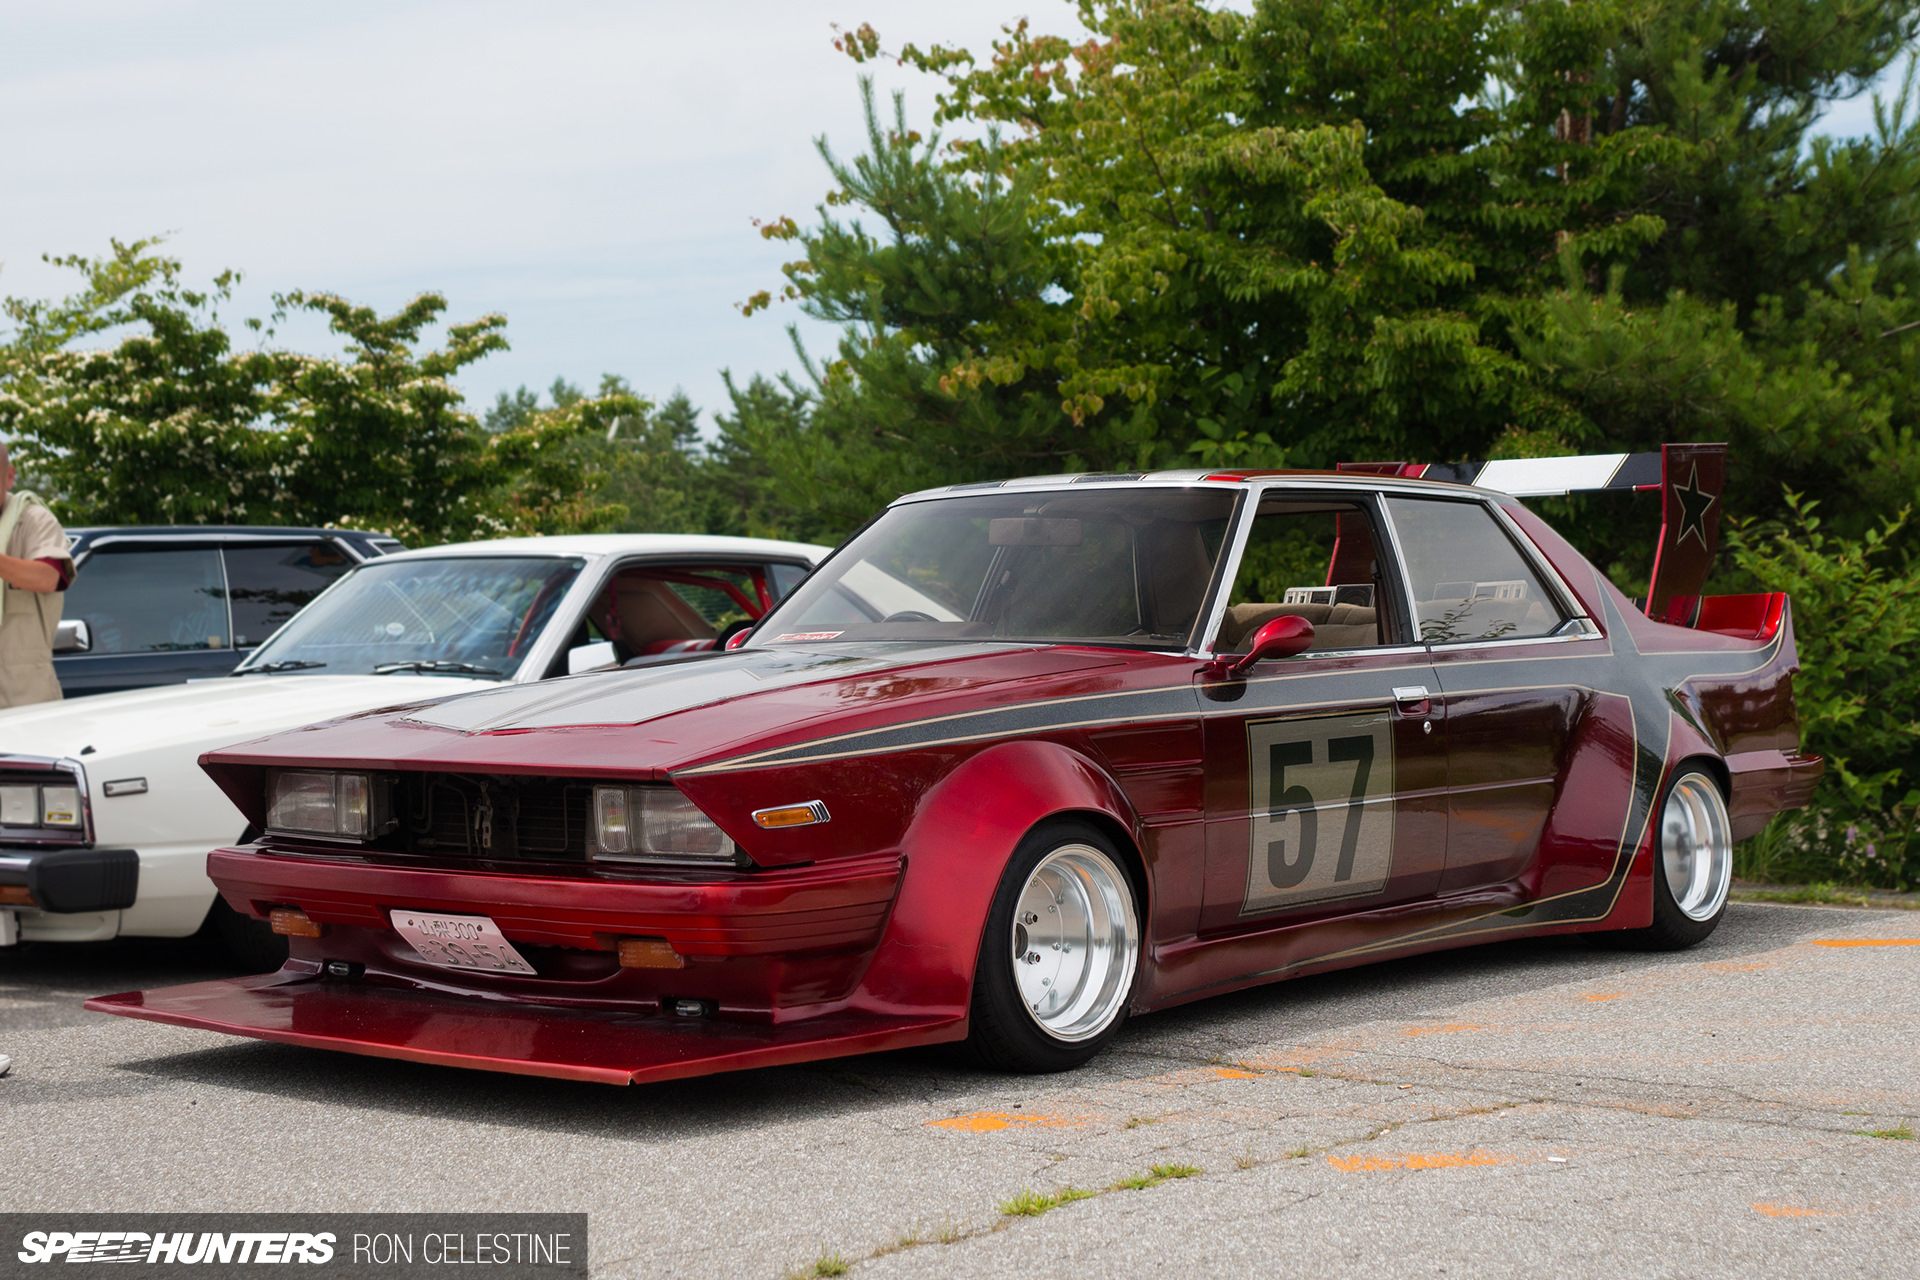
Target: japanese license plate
{"x": 459, "y": 942}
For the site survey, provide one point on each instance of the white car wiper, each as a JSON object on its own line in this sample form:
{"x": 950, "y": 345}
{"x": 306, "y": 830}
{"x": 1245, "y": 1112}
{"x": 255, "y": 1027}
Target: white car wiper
{"x": 272, "y": 668}
{"x": 451, "y": 668}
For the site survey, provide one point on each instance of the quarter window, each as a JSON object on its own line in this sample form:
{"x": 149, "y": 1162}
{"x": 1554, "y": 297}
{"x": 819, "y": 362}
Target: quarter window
{"x": 1469, "y": 581}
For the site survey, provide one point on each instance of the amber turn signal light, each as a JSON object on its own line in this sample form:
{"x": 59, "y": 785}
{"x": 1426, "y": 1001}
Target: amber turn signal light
{"x": 792, "y": 815}
{"x": 649, "y": 953}
{"x": 15, "y": 895}
{"x": 294, "y": 923}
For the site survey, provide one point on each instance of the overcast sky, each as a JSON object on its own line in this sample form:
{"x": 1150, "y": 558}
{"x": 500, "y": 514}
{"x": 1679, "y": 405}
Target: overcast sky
{"x": 591, "y": 170}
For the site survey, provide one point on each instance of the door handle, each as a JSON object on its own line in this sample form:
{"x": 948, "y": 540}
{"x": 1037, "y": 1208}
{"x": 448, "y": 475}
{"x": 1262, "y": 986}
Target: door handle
{"x": 1414, "y": 700}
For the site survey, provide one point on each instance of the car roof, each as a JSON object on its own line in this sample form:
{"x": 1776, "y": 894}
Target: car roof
{"x": 1228, "y": 479}
{"x": 618, "y": 544}
{"x": 220, "y": 530}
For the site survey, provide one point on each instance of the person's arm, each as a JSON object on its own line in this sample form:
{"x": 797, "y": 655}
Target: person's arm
{"x": 29, "y": 575}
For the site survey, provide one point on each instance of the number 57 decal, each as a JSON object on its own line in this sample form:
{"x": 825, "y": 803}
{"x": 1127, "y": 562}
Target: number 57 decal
{"x": 1322, "y": 809}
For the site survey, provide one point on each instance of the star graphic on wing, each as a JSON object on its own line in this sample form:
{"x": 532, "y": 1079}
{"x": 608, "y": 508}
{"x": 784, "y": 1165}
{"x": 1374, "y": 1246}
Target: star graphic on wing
{"x": 1693, "y": 510}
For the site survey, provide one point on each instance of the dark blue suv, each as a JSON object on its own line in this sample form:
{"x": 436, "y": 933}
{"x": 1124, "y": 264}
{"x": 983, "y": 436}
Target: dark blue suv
{"x": 164, "y": 604}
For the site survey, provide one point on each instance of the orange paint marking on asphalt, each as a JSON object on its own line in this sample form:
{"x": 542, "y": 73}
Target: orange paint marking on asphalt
{"x": 1865, "y": 942}
{"x": 1439, "y": 1160}
{"x": 1604, "y": 995}
{"x": 1789, "y": 1211}
{"x": 1441, "y": 1031}
{"x": 1231, "y": 1073}
{"x": 988, "y": 1121}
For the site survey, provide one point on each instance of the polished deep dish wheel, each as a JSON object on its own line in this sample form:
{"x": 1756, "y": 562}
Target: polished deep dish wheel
{"x": 1696, "y": 847}
{"x": 1075, "y": 939}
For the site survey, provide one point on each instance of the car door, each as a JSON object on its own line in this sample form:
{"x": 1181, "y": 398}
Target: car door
{"x": 156, "y": 613}
{"x": 1501, "y": 635}
{"x": 1325, "y": 772}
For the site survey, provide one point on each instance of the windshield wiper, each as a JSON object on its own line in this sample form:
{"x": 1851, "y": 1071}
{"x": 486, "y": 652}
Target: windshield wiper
{"x": 273, "y": 668}
{"x": 450, "y": 668}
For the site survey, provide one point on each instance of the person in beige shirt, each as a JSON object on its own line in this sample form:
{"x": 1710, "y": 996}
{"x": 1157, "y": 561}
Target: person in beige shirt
{"x": 35, "y": 568}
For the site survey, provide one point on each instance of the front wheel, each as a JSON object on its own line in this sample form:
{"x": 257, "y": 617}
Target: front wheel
{"x": 1058, "y": 959}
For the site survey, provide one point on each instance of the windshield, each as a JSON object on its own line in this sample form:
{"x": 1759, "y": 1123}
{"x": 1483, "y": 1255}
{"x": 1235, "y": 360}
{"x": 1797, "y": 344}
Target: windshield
{"x": 1107, "y": 566}
{"x": 451, "y": 616}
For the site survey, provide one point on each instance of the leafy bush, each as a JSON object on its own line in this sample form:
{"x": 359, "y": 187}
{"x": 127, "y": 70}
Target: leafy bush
{"x": 1856, "y": 619}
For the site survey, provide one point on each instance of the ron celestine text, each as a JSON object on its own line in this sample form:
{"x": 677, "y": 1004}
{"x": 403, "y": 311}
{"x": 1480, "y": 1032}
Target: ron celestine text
{"x": 319, "y": 1246}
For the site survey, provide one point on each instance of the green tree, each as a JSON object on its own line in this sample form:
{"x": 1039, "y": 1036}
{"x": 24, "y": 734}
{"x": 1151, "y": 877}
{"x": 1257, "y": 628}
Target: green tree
{"x": 174, "y": 424}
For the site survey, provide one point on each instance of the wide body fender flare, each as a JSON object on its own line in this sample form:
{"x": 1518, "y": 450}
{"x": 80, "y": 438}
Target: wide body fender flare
{"x": 962, "y": 835}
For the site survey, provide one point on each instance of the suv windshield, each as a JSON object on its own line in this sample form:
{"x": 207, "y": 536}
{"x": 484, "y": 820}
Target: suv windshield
{"x": 452, "y": 616}
{"x": 1101, "y": 566}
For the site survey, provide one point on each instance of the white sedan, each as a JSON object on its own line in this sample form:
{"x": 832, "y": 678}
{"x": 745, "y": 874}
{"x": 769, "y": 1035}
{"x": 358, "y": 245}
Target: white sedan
{"x": 106, "y": 817}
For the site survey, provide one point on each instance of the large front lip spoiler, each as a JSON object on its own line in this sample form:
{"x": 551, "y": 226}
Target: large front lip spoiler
{"x": 302, "y": 1008}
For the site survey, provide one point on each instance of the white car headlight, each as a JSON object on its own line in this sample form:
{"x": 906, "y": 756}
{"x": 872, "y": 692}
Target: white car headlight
{"x": 655, "y": 824}
{"x": 315, "y": 803}
{"x": 27, "y": 805}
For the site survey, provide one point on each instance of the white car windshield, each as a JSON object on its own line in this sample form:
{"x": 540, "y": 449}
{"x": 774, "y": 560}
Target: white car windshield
{"x": 475, "y": 616}
{"x": 1119, "y": 566}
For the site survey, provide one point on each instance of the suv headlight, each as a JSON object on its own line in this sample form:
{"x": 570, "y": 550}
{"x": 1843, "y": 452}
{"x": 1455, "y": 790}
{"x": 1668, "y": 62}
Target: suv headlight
{"x": 655, "y": 824}
{"x": 40, "y": 806}
{"x": 310, "y": 802}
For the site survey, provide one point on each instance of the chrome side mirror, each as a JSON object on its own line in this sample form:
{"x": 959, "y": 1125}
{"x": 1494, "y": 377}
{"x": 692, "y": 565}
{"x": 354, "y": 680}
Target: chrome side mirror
{"x": 1279, "y": 638}
{"x": 591, "y": 657}
{"x": 73, "y": 636}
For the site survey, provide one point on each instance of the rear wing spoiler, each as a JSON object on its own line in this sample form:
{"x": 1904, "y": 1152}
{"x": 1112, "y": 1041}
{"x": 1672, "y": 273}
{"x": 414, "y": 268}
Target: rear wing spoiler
{"x": 1690, "y": 478}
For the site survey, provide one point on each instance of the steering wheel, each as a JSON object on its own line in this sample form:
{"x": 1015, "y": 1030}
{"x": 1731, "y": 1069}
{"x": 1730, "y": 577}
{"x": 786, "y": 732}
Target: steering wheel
{"x": 909, "y": 615}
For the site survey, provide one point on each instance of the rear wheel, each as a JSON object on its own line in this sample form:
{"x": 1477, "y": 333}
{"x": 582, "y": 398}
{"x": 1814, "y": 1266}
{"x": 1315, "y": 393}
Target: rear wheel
{"x": 1692, "y": 864}
{"x": 1058, "y": 959}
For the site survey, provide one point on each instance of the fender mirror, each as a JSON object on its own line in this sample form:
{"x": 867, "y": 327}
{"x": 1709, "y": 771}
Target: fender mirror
{"x": 1279, "y": 638}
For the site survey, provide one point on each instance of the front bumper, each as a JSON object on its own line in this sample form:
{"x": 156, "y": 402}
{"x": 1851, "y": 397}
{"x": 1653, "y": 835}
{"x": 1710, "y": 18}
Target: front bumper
{"x": 770, "y": 945}
{"x": 72, "y": 880}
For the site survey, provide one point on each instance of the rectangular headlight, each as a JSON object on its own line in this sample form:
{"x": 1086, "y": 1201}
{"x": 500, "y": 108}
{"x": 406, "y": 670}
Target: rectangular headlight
{"x": 315, "y": 803}
{"x": 658, "y": 825}
{"x": 26, "y": 805}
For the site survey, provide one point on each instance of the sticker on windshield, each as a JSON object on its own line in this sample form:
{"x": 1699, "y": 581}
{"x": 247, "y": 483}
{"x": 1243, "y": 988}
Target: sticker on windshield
{"x": 806, "y": 635}
{"x": 1321, "y": 819}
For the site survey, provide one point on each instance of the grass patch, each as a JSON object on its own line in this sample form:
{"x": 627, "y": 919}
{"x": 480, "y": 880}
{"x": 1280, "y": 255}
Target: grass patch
{"x": 1135, "y": 1122}
{"x": 1245, "y": 1160}
{"x": 830, "y": 1264}
{"x": 947, "y": 1231}
{"x": 1825, "y": 894}
{"x": 1155, "y": 1176}
{"x": 1901, "y": 1134}
{"x": 1299, "y": 1153}
{"x": 1031, "y": 1204}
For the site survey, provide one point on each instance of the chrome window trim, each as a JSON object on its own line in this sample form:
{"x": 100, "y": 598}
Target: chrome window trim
{"x": 1406, "y": 578}
{"x": 1452, "y": 645}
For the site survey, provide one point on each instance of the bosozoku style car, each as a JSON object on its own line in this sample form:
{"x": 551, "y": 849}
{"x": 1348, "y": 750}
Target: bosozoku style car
{"x": 1022, "y": 758}
{"x": 106, "y": 816}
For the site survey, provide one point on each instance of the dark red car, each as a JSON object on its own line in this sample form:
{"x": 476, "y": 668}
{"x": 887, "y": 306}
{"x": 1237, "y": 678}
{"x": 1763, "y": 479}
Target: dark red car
{"x": 1021, "y": 759}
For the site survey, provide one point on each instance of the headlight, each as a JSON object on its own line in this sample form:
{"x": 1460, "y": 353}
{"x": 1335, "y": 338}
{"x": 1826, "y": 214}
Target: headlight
{"x": 655, "y": 824}
{"x": 312, "y": 803}
{"x": 40, "y": 806}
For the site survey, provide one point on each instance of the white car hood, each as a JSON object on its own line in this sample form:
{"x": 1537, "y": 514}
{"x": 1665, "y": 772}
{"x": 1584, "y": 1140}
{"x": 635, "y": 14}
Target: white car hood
{"x": 204, "y": 714}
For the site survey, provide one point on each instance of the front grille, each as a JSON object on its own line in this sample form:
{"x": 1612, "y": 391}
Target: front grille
{"x": 463, "y": 815}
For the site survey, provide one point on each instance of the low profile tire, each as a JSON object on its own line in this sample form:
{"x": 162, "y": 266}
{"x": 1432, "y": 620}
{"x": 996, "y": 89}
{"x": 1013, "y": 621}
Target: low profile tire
{"x": 1059, "y": 955}
{"x": 249, "y": 943}
{"x": 1692, "y": 864}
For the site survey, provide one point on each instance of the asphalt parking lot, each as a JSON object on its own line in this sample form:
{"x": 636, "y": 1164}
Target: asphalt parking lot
{"x": 1513, "y": 1110}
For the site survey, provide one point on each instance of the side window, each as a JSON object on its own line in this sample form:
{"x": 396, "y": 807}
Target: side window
{"x": 1469, "y": 581}
{"x": 149, "y": 600}
{"x": 1308, "y": 559}
{"x": 784, "y": 578}
{"x": 269, "y": 584}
